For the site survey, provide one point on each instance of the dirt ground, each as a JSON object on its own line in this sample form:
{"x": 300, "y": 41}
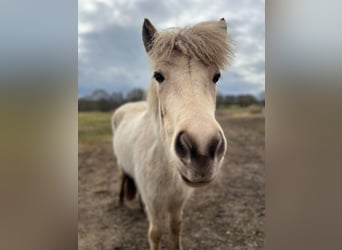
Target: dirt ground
{"x": 228, "y": 214}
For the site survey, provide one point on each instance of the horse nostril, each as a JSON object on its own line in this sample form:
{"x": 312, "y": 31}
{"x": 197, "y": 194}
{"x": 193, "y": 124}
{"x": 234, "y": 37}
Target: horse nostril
{"x": 187, "y": 149}
{"x": 216, "y": 147}
{"x": 182, "y": 145}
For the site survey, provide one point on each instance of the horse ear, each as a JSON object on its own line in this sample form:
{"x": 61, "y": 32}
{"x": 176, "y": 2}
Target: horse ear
{"x": 148, "y": 33}
{"x": 223, "y": 24}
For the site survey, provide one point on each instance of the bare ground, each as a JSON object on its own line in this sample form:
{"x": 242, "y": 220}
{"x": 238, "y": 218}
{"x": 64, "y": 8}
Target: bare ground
{"x": 228, "y": 214}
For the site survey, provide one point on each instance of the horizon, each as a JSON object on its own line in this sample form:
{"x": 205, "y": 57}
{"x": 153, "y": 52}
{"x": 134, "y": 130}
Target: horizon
{"x": 259, "y": 95}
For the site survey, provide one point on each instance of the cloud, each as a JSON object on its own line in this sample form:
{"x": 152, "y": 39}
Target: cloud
{"x": 111, "y": 53}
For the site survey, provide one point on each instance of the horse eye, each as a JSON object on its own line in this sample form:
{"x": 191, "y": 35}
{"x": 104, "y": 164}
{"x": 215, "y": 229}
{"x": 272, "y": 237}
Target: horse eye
{"x": 159, "y": 77}
{"x": 216, "y": 77}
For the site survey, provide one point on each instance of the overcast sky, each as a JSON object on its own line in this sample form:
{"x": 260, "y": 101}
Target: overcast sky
{"x": 111, "y": 52}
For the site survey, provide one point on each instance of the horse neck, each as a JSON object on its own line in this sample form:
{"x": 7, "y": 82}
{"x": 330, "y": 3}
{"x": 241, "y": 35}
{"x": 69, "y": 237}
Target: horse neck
{"x": 153, "y": 114}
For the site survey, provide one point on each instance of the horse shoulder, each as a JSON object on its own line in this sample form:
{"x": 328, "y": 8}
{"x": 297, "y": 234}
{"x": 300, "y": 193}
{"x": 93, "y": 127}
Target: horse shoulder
{"x": 127, "y": 110}
{"x": 125, "y": 124}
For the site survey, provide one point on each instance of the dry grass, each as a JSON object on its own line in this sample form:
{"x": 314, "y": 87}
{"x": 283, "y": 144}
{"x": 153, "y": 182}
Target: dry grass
{"x": 94, "y": 126}
{"x": 228, "y": 214}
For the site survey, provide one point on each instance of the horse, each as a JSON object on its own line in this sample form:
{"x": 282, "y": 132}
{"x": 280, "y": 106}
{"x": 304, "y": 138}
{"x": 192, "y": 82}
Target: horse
{"x": 171, "y": 144}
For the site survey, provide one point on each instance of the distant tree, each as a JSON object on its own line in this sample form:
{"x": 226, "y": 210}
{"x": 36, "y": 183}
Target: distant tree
{"x": 246, "y": 100}
{"x": 219, "y": 100}
{"x": 136, "y": 94}
{"x": 230, "y": 100}
{"x": 262, "y": 98}
{"x": 100, "y": 100}
{"x": 87, "y": 105}
{"x": 116, "y": 99}
{"x": 104, "y": 105}
{"x": 99, "y": 94}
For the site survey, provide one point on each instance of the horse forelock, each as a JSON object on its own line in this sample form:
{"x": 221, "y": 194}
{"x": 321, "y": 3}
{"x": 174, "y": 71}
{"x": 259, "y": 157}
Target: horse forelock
{"x": 206, "y": 41}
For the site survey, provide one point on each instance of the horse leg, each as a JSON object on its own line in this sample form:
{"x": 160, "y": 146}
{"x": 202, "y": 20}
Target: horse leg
{"x": 123, "y": 179}
{"x": 155, "y": 231}
{"x": 175, "y": 228}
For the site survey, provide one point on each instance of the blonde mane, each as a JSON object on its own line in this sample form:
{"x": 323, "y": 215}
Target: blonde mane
{"x": 206, "y": 41}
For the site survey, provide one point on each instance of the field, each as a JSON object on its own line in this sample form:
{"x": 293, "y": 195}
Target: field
{"x": 228, "y": 214}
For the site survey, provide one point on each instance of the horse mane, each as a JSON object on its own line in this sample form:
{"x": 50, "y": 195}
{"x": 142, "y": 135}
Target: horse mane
{"x": 206, "y": 41}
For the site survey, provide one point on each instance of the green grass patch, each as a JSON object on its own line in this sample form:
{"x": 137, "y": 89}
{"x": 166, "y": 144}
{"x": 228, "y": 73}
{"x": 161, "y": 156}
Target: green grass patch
{"x": 94, "y": 126}
{"x": 231, "y": 109}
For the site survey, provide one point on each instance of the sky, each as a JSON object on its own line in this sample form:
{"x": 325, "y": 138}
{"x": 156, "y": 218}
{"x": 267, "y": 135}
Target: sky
{"x": 111, "y": 55}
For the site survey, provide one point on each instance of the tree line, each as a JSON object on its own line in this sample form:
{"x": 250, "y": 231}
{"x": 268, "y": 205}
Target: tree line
{"x": 100, "y": 100}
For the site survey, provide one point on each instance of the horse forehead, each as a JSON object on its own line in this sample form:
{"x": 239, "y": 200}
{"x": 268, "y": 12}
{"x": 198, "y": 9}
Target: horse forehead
{"x": 181, "y": 61}
{"x": 195, "y": 69}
